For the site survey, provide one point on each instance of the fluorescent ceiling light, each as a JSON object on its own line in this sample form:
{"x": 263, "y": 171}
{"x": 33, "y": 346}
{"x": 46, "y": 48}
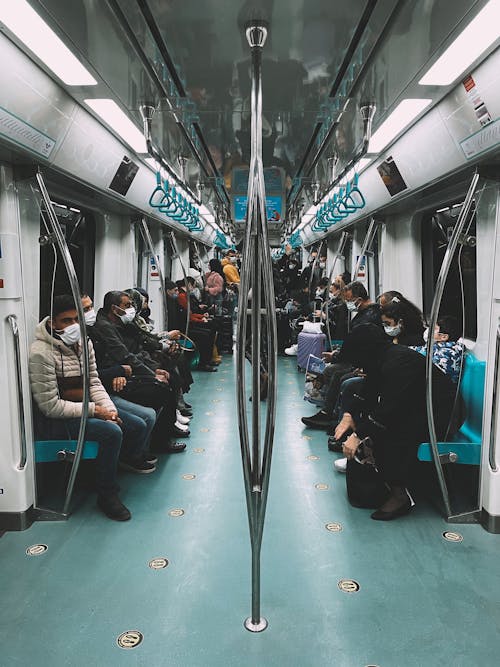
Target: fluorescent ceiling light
{"x": 402, "y": 116}
{"x": 152, "y": 163}
{"x": 481, "y": 32}
{"x": 111, "y": 113}
{"x": 27, "y": 25}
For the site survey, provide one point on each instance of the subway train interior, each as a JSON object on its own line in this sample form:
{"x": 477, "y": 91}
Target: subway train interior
{"x": 350, "y": 147}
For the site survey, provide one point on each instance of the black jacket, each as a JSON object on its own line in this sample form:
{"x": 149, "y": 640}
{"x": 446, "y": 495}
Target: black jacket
{"x": 120, "y": 344}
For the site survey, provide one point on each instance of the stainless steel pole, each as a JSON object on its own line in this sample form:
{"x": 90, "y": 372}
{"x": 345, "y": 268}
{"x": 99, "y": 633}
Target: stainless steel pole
{"x": 146, "y": 235}
{"x": 256, "y": 278}
{"x": 12, "y": 320}
{"x": 75, "y": 290}
{"x": 438, "y": 294}
{"x": 340, "y": 251}
{"x": 370, "y": 234}
{"x": 176, "y": 255}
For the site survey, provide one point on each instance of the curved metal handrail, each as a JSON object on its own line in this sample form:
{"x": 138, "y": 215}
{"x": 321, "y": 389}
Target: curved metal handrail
{"x": 494, "y": 409}
{"x": 436, "y": 304}
{"x": 176, "y": 255}
{"x": 12, "y": 320}
{"x": 76, "y": 292}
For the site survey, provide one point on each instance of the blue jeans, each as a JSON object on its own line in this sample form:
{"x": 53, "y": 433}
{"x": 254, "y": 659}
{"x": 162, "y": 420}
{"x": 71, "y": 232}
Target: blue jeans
{"x": 109, "y": 436}
{"x": 147, "y": 415}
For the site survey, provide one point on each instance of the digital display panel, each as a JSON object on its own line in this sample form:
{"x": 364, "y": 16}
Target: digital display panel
{"x": 124, "y": 176}
{"x": 273, "y": 207}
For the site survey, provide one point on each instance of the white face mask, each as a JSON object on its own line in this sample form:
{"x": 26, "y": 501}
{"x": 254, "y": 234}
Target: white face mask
{"x": 71, "y": 334}
{"x": 322, "y": 265}
{"x": 128, "y": 316}
{"x": 425, "y": 335}
{"x": 351, "y": 306}
{"x": 234, "y": 260}
{"x": 90, "y": 317}
{"x": 392, "y": 331}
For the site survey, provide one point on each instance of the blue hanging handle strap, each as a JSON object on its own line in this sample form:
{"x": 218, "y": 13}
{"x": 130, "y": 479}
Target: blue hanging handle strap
{"x": 355, "y": 195}
{"x": 158, "y": 193}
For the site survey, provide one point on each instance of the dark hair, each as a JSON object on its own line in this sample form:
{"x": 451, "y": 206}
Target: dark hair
{"x": 169, "y": 284}
{"x": 449, "y": 325}
{"x": 62, "y": 303}
{"x": 112, "y": 299}
{"x": 391, "y": 297}
{"x": 346, "y": 277}
{"x": 358, "y": 290}
{"x": 323, "y": 282}
{"x": 216, "y": 266}
{"x": 405, "y": 312}
{"x": 143, "y": 292}
{"x": 179, "y": 283}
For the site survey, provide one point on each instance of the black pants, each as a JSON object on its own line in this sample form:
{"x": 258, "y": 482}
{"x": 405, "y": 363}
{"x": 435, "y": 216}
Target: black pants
{"x": 158, "y": 395}
{"x": 204, "y": 337}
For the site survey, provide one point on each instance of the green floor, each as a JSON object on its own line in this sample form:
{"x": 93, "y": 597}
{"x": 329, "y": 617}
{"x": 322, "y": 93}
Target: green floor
{"x": 422, "y": 601}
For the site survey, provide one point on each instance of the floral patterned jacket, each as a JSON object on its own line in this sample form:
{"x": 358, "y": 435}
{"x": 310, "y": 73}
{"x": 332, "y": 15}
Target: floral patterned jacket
{"x": 447, "y": 356}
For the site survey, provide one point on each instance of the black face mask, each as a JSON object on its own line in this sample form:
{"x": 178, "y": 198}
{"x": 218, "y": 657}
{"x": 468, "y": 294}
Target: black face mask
{"x": 146, "y": 313}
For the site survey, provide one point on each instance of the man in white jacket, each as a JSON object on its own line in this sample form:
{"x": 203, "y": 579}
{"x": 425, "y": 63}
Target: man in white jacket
{"x": 57, "y": 386}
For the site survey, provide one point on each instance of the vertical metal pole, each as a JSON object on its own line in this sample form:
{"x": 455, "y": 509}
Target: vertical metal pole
{"x": 256, "y": 278}
{"x": 176, "y": 255}
{"x": 12, "y": 320}
{"x": 370, "y": 234}
{"x": 436, "y": 304}
{"x": 340, "y": 251}
{"x": 146, "y": 235}
{"x": 75, "y": 290}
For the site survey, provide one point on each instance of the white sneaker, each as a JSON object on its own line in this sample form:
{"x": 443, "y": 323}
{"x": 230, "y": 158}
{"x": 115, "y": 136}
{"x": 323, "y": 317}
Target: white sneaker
{"x": 181, "y": 427}
{"x": 340, "y": 465}
{"x": 292, "y": 350}
{"x": 180, "y": 418}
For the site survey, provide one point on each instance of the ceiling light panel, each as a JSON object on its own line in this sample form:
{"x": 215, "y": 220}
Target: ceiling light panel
{"x": 406, "y": 111}
{"x": 28, "y": 26}
{"x": 479, "y": 35}
{"x": 111, "y": 113}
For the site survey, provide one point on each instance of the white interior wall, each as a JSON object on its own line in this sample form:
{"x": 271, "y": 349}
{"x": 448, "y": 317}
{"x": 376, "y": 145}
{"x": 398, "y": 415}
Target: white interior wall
{"x": 400, "y": 256}
{"x": 115, "y": 258}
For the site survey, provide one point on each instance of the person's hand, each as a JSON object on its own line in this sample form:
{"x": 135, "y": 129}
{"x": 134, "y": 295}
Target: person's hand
{"x": 327, "y": 356}
{"x": 174, "y": 334}
{"x": 162, "y": 375}
{"x": 351, "y": 445}
{"x": 118, "y": 384}
{"x": 105, "y": 414}
{"x": 344, "y": 425}
{"x": 127, "y": 370}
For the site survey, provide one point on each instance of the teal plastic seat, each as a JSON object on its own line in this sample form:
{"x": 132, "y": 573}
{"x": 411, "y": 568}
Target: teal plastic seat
{"x": 48, "y": 451}
{"x": 466, "y": 443}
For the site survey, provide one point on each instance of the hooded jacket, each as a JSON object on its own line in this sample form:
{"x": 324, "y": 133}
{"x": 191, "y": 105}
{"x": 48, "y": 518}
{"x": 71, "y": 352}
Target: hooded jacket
{"x": 230, "y": 271}
{"x": 214, "y": 283}
{"x": 51, "y": 360}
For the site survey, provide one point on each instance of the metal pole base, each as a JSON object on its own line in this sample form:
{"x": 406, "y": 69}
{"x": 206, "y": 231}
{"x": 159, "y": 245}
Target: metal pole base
{"x": 255, "y": 627}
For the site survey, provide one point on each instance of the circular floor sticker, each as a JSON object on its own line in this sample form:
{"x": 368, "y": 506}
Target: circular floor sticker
{"x": 189, "y": 476}
{"x": 216, "y": 400}
{"x": 36, "y": 549}
{"x": 158, "y": 563}
{"x": 334, "y": 527}
{"x": 306, "y": 437}
{"x": 321, "y": 487}
{"x": 198, "y": 450}
{"x": 130, "y": 639}
{"x": 348, "y": 585}
{"x": 218, "y": 388}
{"x": 209, "y": 414}
{"x": 452, "y": 537}
{"x": 177, "y": 512}
{"x": 313, "y": 457}
{"x": 204, "y": 430}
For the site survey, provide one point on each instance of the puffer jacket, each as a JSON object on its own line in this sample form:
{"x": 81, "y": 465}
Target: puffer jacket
{"x": 214, "y": 283}
{"x": 230, "y": 271}
{"x": 51, "y": 359}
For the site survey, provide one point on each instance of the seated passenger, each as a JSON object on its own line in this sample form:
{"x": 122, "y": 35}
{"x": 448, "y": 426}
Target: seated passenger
{"x": 448, "y": 351}
{"x": 357, "y": 300}
{"x": 57, "y": 387}
{"x": 201, "y": 329}
{"x": 117, "y": 342}
{"x": 394, "y": 415}
{"x": 402, "y": 324}
{"x": 214, "y": 285}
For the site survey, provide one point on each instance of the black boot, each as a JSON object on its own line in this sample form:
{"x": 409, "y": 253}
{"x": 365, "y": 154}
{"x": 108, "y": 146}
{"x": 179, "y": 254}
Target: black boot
{"x": 113, "y": 507}
{"x": 398, "y": 504}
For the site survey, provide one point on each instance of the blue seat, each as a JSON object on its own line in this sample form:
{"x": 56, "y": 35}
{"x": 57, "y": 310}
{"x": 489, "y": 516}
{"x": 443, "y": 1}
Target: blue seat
{"x": 47, "y": 451}
{"x": 466, "y": 443}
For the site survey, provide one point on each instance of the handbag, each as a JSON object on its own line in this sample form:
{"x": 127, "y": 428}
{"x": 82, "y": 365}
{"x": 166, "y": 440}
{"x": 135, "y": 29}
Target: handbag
{"x": 145, "y": 390}
{"x": 366, "y": 487}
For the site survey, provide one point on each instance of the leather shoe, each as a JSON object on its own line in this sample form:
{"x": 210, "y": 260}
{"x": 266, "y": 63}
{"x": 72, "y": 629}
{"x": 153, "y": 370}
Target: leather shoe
{"x": 175, "y": 447}
{"x": 320, "y": 421}
{"x": 380, "y": 515}
{"x": 335, "y": 445}
{"x": 113, "y": 507}
{"x": 177, "y": 433}
{"x": 207, "y": 369}
{"x": 186, "y": 412}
